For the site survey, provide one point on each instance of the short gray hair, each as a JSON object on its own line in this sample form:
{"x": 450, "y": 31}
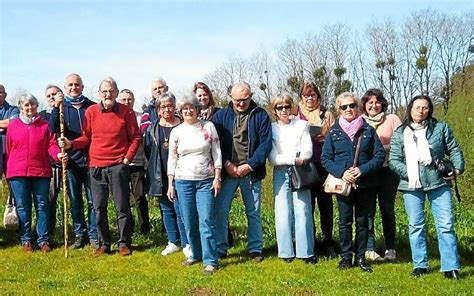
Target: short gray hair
{"x": 160, "y": 79}
{"x": 165, "y": 98}
{"x": 242, "y": 84}
{"x": 109, "y": 80}
{"x": 52, "y": 86}
{"x": 189, "y": 99}
{"x": 26, "y": 97}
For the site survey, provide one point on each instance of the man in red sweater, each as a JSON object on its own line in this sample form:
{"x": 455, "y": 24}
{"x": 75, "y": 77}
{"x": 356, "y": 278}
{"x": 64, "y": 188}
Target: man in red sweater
{"x": 112, "y": 135}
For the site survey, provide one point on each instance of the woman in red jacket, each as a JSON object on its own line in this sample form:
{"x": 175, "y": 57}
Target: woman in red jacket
{"x": 29, "y": 146}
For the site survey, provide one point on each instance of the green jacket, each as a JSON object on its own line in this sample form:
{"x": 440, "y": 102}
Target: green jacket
{"x": 442, "y": 144}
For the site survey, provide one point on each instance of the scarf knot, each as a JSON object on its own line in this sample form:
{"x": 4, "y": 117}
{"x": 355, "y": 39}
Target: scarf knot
{"x": 75, "y": 101}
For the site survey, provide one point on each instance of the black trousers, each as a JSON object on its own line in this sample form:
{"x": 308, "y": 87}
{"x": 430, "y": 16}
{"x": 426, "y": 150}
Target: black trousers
{"x": 325, "y": 207}
{"x": 357, "y": 205}
{"x": 115, "y": 178}
{"x": 137, "y": 179}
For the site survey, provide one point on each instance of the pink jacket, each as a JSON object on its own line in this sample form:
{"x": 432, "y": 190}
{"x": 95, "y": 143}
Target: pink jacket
{"x": 29, "y": 148}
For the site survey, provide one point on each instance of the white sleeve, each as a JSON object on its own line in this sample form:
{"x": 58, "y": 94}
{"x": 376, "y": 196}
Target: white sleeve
{"x": 306, "y": 149}
{"x": 173, "y": 151}
{"x": 215, "y": 146}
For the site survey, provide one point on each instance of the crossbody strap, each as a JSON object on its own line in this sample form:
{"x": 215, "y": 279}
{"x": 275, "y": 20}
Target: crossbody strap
{"x": 357, "y": 151}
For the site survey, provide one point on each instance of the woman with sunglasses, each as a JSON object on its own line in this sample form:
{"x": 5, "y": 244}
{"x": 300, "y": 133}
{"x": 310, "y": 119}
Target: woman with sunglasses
{"x": 291, "y": 145}
{"x": 337, "y": 157}
{"x": 320, "y": 120}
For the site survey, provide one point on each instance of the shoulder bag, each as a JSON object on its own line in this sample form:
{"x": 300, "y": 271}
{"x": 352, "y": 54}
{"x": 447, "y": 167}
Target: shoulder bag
{"x": 303, "y": 176}
{"x": 10, "y": 217}
{"x": 338, "y": 186}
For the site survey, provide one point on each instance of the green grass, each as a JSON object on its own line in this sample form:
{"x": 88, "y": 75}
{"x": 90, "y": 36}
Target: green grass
{"x": 146, "y": 271}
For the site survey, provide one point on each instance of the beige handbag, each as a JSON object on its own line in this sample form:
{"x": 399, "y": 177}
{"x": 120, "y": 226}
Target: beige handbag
{"x": 10, "y": 216}
{"x": 338, "y": 186}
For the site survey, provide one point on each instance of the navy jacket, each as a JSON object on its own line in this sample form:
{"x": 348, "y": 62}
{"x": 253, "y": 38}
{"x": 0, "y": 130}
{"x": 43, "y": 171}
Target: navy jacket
{"x": 260, "y": 137}
{"x": 339, "y": 151}
{"x": 73, "y": 121}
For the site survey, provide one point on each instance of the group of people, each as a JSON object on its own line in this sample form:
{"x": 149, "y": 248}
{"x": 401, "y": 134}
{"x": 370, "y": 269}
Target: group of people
{"x": 193, "y": 156}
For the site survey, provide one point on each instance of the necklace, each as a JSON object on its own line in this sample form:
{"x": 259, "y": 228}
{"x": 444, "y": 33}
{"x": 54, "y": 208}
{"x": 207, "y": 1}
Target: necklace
{"x": 166, "y": 143}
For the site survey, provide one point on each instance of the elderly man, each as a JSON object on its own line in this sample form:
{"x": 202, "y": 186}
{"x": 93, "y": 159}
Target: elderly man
{"x": 7, "y": 113}
{"x": 112, "y": 135}
{"x": 149, "y": 116}
{"x": 55, "y": 185}
{"x": 137, "y": 169}
{"x": 75, "y": 106}
{"x": 246, "y": 141}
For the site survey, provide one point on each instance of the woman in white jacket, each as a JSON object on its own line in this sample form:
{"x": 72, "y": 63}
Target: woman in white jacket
{"x": 293, "y": 215}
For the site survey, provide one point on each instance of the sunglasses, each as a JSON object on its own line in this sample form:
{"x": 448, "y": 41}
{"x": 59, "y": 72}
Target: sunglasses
{"x": 352, "y": 106}
{"x": 279, "y": 108}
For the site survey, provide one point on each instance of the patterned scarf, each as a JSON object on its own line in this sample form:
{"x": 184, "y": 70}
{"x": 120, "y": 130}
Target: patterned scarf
{"x": 351, "y": 128}
{"x": 207, "y": 113}
{"x": 75, "y": 101}
{"x": 376, "y": 120}
{"x": 313, "y": 115}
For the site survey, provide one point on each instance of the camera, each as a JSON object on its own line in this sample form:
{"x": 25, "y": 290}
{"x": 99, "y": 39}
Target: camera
{"x": 444, "y": 167}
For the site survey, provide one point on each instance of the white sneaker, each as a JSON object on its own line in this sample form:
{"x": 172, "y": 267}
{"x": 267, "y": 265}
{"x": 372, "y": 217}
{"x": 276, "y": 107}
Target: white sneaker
{"x": 170, "y": 248}
{"x": 373, "y": 256}
{"x": 390, "y": 254}
{"x": 187, "y": 251}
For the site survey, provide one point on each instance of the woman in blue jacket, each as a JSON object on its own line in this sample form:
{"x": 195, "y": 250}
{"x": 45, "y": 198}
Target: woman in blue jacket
{"x": 417, "y": 145}
{"x": 337, "y": 158}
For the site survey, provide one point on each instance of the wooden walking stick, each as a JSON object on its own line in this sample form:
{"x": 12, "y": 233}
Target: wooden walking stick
{"x": 64, "y": 178}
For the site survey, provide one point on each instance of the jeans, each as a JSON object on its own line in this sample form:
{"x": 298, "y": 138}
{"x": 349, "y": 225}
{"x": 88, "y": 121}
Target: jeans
{"x": 325, "y": 208}
{"x": 117, "y": 178}
{"x": 293, "y": 215}
{"x": 197, "y": 206}
{"x": 25, "y": 189}
{"x": 442, "y": 210}
{"x": 356, "y": 204}
{"x": 172, "y": 220}
{"x": 77, "y": 177}
{"x": 251, "y": 195}
{"x": 385, "y": 193}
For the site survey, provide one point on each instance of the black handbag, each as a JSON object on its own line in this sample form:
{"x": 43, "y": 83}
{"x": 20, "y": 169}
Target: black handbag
{"x": 303, "y": 176}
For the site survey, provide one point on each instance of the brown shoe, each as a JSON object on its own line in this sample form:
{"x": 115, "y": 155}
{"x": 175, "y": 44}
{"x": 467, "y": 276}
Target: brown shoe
{"x": 124, "y": 251}
{"x": 27, "y": 247}
{"x": 100, "y": 251}
{"x": 45, "y": 248}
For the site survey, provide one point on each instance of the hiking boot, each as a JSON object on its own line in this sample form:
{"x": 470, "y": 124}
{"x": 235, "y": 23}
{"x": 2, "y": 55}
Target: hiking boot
{"x": 94, "y": 244}
{"x": 100, "y": 251}
{"x": 170, "y": 248}
{"x": 256, "y": 256}
{"x": 124, "y": 251}
{"x": 79, "y": 243}
{"x": 27, "y": 247}
{"x": 373, "y": 256}
{"x": 187, "y": 251}
{"x": 390, "y": 254}
{"x": 45, "y": 248}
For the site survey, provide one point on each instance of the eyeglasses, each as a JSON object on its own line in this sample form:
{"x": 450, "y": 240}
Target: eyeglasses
{"x": 105, "y": 92}
{"x": 314, "y": 96}
{"x": 242, "y": 101}
{"x": 351, "y": 105}
{"x": 163, "y": 107}
{"x": 280, "y": 108}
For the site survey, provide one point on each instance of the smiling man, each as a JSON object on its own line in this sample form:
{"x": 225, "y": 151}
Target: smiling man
{"x": 246, "y": 141}
{"x": 111, "y": 133}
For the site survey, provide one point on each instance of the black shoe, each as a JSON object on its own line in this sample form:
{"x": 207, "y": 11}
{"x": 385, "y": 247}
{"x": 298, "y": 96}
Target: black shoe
{"x": 256, "y": 256}
{"x": 345, "y": 263}
{"x": 79, "y": 243}
{"x": 419, "y": 272}
{"x": 145, "y": 229}
{"x": 311, "y": 260}
{"x": 452, "y": 275}
{"x": 288, "y": 260}
{"x": 364, "y": 265}
{"x": 331, "y": 252}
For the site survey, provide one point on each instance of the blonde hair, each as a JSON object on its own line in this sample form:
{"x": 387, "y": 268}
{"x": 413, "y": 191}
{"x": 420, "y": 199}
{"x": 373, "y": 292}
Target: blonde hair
{"x": 281, "y": 99}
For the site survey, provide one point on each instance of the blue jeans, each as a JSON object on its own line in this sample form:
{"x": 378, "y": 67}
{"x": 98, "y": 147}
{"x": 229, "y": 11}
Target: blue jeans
{"x": 24, "y": 189}
{"x": 251, "y": 195}
{"x": 77, "y": 177}
{"x": 197, "y": 206}
{"x": 293, "y": 215}
{"x": 172, "y": 221}
{"x": 442, "y": 209}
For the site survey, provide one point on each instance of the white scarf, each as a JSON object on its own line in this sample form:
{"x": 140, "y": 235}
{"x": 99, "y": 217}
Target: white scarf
{"x": 417, "y": 150}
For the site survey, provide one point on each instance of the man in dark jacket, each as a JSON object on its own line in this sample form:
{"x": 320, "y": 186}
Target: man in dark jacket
{"x": 75, "y": 105}
{"x": 246, "y": 141}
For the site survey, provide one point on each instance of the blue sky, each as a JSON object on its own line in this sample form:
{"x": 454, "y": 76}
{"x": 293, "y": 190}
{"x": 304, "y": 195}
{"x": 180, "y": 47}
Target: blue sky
{"x": 182, "y": 41}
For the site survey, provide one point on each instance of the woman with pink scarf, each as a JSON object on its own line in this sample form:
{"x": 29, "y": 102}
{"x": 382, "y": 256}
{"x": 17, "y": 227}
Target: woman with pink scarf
{"x": 338, "y": 158}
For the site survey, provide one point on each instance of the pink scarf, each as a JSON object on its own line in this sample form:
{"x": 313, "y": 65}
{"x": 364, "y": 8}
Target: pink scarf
{"x": 351, "y": 128}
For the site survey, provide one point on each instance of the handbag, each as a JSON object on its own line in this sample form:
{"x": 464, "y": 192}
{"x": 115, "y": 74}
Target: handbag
{"x": 10, "y": 217}
{"x": 338, "y": 186}
{"x": 303, "y": 176}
